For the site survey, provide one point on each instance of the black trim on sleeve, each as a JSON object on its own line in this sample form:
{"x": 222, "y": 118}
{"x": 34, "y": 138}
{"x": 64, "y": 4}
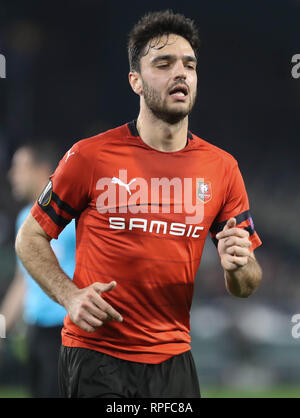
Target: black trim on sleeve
{"x": 217, "y": 227}
{"x": 65, "y": 206}
{"x": 57, "y": 219}
{"x": 249, "y": 229}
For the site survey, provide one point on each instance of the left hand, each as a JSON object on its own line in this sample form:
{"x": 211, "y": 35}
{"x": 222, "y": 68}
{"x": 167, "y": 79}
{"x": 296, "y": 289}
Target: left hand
{"x": 234, "y": 246}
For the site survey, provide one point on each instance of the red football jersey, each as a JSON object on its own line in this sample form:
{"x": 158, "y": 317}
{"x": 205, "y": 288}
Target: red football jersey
{"x": 142, "y": 217}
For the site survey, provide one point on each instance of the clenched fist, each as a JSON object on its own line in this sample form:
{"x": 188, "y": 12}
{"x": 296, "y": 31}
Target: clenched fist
{"x": 234, "y": 246}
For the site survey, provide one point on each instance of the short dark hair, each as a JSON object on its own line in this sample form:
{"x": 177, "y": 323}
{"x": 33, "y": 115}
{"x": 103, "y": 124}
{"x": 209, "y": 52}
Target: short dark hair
{"x": 155, "y": 25}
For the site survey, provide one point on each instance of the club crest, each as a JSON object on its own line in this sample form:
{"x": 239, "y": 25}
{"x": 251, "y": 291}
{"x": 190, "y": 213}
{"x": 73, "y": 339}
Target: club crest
{"x": 204, "y": 191}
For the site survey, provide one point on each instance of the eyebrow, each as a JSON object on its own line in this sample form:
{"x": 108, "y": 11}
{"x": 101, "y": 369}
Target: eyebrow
{"x": 170, "y": 57}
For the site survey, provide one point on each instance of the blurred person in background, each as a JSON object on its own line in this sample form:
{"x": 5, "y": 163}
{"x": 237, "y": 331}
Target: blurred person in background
{"x": 31, "y": 166}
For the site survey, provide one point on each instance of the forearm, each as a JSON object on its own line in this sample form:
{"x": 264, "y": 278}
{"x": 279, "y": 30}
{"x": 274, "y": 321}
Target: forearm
{"x": 40, "y": 261}
{"x": 86, "y": 307}
{"x": 243, "y": 281}
{"x": 13, "y": 304}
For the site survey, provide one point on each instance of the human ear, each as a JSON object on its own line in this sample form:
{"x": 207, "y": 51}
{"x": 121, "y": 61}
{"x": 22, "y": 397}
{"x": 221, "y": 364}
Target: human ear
{"x": 135, "y": 81}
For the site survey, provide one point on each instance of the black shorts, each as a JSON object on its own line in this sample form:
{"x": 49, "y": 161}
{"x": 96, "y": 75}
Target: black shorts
{"x": 87, "y": 373}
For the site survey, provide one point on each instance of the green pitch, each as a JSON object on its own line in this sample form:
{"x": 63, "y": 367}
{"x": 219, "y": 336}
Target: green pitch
{"x": 207, "y": 392}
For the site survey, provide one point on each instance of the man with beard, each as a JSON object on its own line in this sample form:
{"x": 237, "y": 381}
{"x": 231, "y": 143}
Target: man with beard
{"x": 132, "y": 190}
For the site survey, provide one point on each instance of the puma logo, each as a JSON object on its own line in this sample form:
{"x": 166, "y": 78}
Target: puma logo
{"x": 115, "y": 180}
{"x": 69, "y": 155}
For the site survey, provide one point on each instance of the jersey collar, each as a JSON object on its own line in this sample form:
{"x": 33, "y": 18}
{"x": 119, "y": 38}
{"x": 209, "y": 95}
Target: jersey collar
{"x": 134, "y": 132}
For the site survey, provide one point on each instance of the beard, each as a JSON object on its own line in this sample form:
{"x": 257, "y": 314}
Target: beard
{"x": 159, "y": 107}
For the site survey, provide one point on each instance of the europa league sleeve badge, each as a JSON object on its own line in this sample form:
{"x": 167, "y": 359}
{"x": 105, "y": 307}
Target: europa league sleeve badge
{"x": 45, "y": 197}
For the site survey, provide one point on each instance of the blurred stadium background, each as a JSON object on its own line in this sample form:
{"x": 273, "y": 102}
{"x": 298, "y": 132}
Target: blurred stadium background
{"x": 67, "y": 79}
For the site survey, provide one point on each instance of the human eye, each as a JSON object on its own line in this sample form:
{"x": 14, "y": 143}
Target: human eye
{"x": 164, "y": 64}
{"x": 191, "y": 66}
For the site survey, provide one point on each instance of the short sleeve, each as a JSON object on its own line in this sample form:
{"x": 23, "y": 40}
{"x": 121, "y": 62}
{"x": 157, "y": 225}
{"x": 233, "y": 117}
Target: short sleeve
{"x": 236, "y": 204}
{"x": 67, "y": 193}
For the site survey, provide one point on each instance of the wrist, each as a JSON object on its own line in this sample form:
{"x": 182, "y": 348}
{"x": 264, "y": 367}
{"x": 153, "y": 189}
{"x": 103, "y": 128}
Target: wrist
{"x": 237, "y": 287}
{"x": 66, "y": 293}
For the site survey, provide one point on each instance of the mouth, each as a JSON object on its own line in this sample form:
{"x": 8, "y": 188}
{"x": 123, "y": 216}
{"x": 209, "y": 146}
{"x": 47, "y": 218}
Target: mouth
{"x": 179, "y": 92}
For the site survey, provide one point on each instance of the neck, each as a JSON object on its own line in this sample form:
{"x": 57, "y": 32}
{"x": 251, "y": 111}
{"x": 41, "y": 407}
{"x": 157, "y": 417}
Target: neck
{"x": 161, "y": 135}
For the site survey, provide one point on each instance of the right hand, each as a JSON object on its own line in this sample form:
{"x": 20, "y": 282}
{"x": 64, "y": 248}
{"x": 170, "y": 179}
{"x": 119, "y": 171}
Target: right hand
{"x": 89, "y": 310}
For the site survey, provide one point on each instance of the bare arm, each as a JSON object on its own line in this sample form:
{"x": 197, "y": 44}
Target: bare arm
{"x": 13, "y": 302}
{"x": 242, "y": 272}
{"x": 243, "y": 281}
{"x": 86, "y": 307}
{"x": 34, "y": 249}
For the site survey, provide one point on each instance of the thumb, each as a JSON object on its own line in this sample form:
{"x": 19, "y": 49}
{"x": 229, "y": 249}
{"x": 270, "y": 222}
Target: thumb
{"x": 230, "y": 224}
{"x": 105, "y": 287}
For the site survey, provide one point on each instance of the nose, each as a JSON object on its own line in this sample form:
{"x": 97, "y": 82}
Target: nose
{"x": 180, "y": 71}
